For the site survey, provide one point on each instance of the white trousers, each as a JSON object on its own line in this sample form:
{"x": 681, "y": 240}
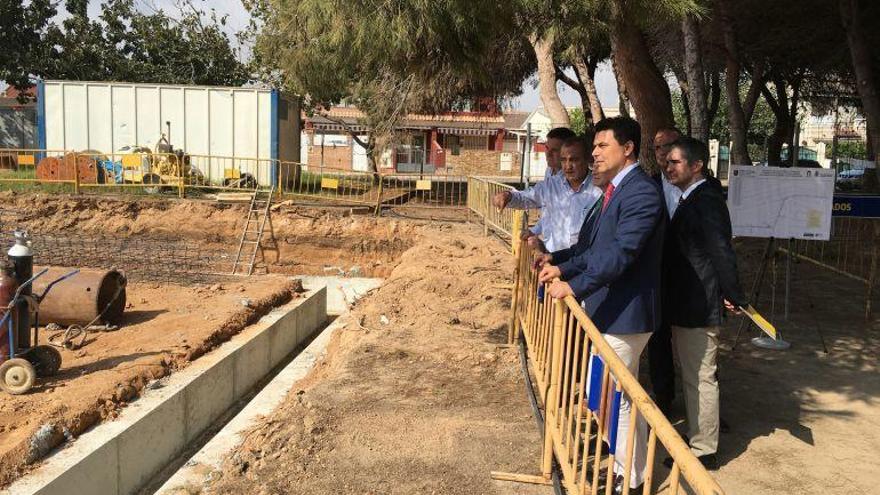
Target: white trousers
{"x": 629, "y": 348}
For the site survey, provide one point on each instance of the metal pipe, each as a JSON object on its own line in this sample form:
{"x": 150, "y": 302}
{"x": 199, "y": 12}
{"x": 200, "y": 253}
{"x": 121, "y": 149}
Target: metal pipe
{"x": 82, "y": 298}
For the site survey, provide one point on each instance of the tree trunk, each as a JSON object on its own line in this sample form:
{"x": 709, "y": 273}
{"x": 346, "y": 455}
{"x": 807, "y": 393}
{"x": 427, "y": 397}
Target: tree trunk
{"x": 863, "y": 67}
{"x": 752, "y": 96}
{"x": 645, "y": 85}
{"x": 714, "y": 99}
{"x": 783, "y": 130}
{"x": 547, "y": 81}
{"x": 697, "y": 100}
{"x": 685, "y": 102}
{"x": 736, "y": 114}
{"x": 586, "y": 72}
{"x": 622, "y": 97}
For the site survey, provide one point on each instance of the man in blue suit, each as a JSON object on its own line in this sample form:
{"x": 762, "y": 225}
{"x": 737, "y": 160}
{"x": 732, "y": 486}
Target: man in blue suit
{"x": 614, "y": 269}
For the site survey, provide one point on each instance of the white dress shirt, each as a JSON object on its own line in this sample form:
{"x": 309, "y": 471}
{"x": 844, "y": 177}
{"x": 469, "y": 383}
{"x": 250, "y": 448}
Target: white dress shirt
{"x": 671, "y": 194}
{"x": 623, "y": 172}
{"x": 563, "y": 209}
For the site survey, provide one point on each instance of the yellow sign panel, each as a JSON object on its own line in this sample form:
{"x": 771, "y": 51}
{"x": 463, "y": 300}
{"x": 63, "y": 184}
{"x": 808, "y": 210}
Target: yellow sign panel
{"x": 131, "y": 160}
{"x": 231, "y": 173}
{"x": 759, "y": 320}
{"x": 25, "y": 159}
{"x": 132, "y": 176}
{"x": 329, "y": 183}
{"x": 423, "y": 185}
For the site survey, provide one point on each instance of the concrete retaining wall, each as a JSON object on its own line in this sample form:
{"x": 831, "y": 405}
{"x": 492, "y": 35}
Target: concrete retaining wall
{"x": 121, "y": 456}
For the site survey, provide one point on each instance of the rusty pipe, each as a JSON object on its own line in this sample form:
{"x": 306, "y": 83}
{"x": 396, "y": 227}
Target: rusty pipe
{"x": 82, "y": 297}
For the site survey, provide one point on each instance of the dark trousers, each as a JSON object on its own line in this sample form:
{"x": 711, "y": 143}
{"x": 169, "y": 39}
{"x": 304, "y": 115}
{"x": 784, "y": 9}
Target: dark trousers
{"x": 661, "y": 366}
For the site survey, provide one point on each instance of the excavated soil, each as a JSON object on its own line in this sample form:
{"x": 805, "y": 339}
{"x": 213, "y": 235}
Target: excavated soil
{"x": 298, "y": 240}
{"x": 418, "y": 393}
{"x": 167, "y": 325}
{"x": 164, "y": 328}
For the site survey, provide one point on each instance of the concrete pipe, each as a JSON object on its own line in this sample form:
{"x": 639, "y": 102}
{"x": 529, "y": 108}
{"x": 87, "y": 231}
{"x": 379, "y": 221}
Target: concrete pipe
{"x": 82, "y": 297}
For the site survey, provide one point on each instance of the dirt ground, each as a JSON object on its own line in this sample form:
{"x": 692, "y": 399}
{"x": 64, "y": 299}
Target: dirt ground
{"x": 164, "y": 328}
{"x": 429, "y": 403}
{"x": 803, "y": 421}
{"x": 168, "y": 325}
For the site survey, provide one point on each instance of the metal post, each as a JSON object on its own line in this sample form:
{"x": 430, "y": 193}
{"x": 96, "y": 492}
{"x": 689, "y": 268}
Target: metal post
{"x": 527, "y": 163}
{"x": 550, "y": 411}
{"x": 788, "y": 277}
{"x": 834, "y": 138}
{"x": 76, "y": 172}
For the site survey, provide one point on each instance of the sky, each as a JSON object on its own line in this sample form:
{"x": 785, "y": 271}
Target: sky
{"x": 606, "y": 86}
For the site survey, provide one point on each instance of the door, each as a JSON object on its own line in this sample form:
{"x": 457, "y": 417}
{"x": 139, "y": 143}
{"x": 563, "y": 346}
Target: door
{"x": 359, "y": 160}
{"x": 411, "y": 155}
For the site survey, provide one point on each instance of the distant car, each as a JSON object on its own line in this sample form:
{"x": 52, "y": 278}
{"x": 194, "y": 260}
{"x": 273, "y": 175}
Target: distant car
{"x": 850, "y": 179}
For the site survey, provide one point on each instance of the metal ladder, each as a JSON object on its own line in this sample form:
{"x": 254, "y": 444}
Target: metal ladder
{"x": 258, "y": 213}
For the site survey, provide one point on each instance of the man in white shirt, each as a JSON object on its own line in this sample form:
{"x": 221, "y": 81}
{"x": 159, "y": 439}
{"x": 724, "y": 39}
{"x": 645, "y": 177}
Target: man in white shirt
{"x": 663, "y": 140}
{"x": 566, "y": 199}
{"x": 555, "y": 138}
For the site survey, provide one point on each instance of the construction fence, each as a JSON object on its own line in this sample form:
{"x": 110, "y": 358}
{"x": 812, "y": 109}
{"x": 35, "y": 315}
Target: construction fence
{"x": 144, "y": 172}
{"x": 851, "y": 251}
{"x": 480, "y": 191}
{"x": 582, "y": 382}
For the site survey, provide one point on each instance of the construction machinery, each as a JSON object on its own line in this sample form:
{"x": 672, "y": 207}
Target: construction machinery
{"x": 157, "y": 169}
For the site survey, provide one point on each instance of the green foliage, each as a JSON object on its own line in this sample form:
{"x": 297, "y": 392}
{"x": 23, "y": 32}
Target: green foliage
{"x": 390, "y": 58}
{"x": 577, "y": 121}
{"x": 23, "y": 26}
{"x": 760, "y": 126}
{"x": 124, "y": 44}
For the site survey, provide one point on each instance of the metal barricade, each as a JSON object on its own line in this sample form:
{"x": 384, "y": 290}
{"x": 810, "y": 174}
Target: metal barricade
{"x": 582, "y": 383}
{"x": 851, "y": 251}
{"x": 211, "y": 172}
{"x": 335, "y": 186}
{"x": 33, "y": 167}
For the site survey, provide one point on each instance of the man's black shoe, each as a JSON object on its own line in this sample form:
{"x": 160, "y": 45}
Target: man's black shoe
{"x": 709, "y": 461}
{"x": 617, "y": 488}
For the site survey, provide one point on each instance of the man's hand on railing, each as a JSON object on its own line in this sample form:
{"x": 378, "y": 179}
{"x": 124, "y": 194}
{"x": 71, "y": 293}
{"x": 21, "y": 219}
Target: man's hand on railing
{"x": 501, "y": 199}
{"x": 548, "y": 273}
{"x": 540, "y": 261}
{"x": 559, "y": 290}
{"x": 536, "y": 244}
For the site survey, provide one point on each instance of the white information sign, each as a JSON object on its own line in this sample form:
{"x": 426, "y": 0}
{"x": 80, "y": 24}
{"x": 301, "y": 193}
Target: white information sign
{"x": 784, "y": 203}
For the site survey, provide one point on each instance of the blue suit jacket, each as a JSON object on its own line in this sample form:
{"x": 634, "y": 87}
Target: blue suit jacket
{"x": 614, "y": 269}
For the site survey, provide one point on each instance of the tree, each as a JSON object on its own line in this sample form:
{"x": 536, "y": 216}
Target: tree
{"x": 123, "y": 44}
{"x": 392, "y": 58}
{"x": 645, "y": 84}
{"x": 584, "y": 43}
{"x": 23, "y": 27}
{"x": 864, "y": 57}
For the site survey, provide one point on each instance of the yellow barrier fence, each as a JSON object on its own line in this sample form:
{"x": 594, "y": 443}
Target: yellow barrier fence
{"x": 507, "y": 222}
{"x": 19, "y": 165}
{"x": 851, "y": 251}
{"x": 582, "y": 382}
